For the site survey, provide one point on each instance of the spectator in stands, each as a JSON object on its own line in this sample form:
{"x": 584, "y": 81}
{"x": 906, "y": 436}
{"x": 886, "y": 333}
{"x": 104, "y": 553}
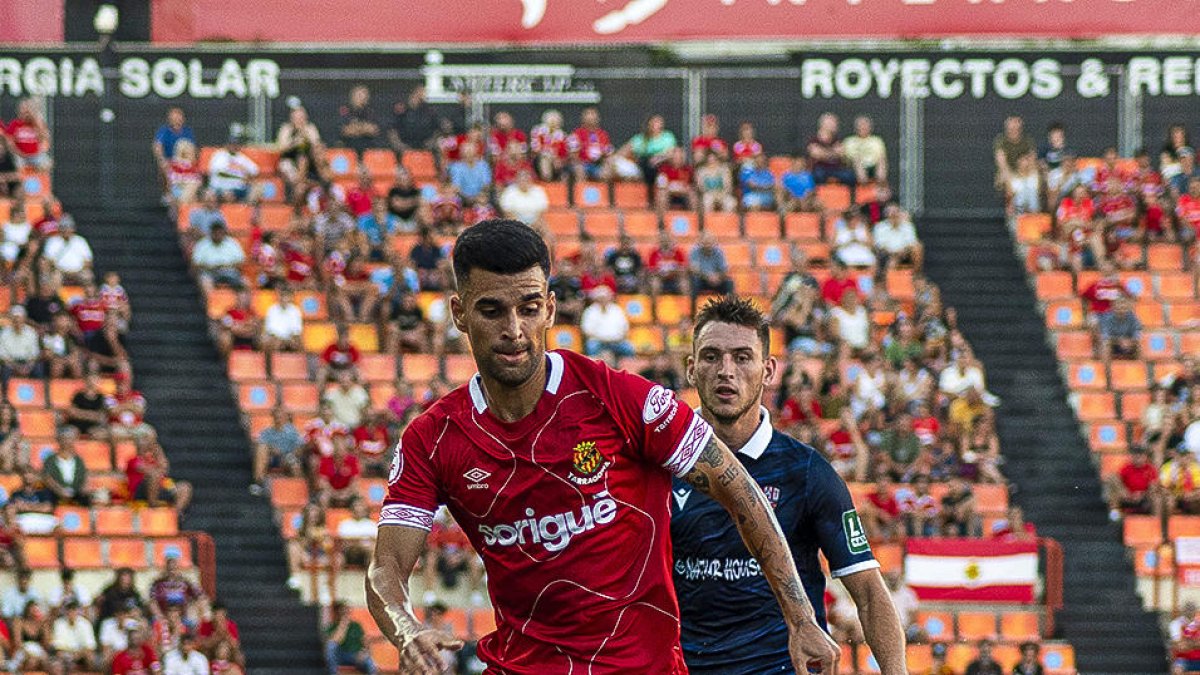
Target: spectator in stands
{"x": 549, "y": 146}
{"x": 1187, "y": 210}
{"x": 220, "y": 630}
{"x": 14, "y": 448}
{"x": 404, "y": 202}
{"x": 187, "y": 659}
{"x": 89, "y": 412}
{"x": 899, "y": 446}
{"x": 430, "y": 260}
{"x": 589, "y": 147}
{"x": 345, "y": 643}
{"x": 1179, "y": 177}
{"x": 74, "y": 641}
{"x": 405, "y": 328}
{"x": 373, "y": 443}
{"x": 919, "y": 509}
{"x": 240, "y": 327}
{"x": 1180, "y": 479}
{"x": 172, "y": 589}
{"x": 895, "y": 240}
{"x": 906, "y": 602}
{"x": 508, "y": 164}
{"x": 568, "y": 291}
{"x": 715, "y": 183}
{"x": 866, "y": 153}
{"x": 524, "y": 200}
{"x": 126, "y": 409}
{"x": 121, "y": 596}
{"x": 797, "y": 188}
{"x": 1120, "y": 330}
{"x": 674, "y": 183}
{"x": 668, "y": 269}
{"x": 67, "y": 254}
{"x": 1024, "y": 188}
{"x": 1031, "y": 661}
{"x": 147, "y": 477}
{"x": 505, "y": 135}
{"x": 1184, "y": 632}
{"x": 61, "y": 352}
{"x": 32, "y": 639}
{"x": 757, "y": 185}
{"x": 184, "y": 179}
{"x": 174, "y": 130}
{"x": 359, "y": 128}
{"x": 16, "y": 598}
{"x": 662, "y": 370}
{"x": 203, "y": 216}
{"x": 853, "y": 245}
{"x": 348, "y": 400}
{"x": 10, "y": 173}
{"x": 33, "y": 505}
{"x": 709, "y": 269}
{"x": 301, "y": 152}
{"x": 64, "y": 473}
{"x": 625, "y": 264}
{"x": 20, "y": 348}
{"x": 338, "y": 356}
{"x": 959, "y": 518}
{"x": 70, "y": 591}
{"x": 106, "y": 347}
{"x": 827, "y": 153}
{"x": 138, "y": 657}
{"x": 12, "y": 555}
{"x": 746, "y": 147}
{"x": 605, "y": 327}
{"x": 15, "y": 246}
{"x": 709, "y": 143}
{"x": 652, "y": 147}
{"x": 30, "y": 137}
{"x": 471, "y": 176}
{"x": 278, "y": 448}
{"x": 217, "y": 260}
{"x": 1008, "y": 149}
{"x": 312, "y": 546}
{"x": 230, "y": 171}
{"x": 357, "y": 536}
{"x": 850, "y": 325}
{"x": 984, "y": 664}
{"x": 284, "y": 325}
{"x": 881, "y": 512}
{"x": 337, "y": 474}
{"x": 414, "y": 123}
{"x": 114, "y": 635}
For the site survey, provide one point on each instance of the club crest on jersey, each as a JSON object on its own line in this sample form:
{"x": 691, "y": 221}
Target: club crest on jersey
{"x": 588, "y": 463}
{"x": 658, "y": 402}
{"x": 772, "y": 494}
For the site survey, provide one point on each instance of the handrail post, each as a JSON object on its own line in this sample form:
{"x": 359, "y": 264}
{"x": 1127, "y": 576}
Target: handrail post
{"x": 1054, "y": 580}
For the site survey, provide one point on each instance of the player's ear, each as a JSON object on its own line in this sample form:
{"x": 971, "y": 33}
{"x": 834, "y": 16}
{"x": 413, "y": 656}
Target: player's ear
{"x": 551, "y": 308}
{"x": 456, "y": 313}
{"x": 770, "y": 367}
{"x": 689, "y": 369}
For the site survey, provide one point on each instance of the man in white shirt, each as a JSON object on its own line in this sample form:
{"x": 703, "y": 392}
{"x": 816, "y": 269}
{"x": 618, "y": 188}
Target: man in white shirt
{"x": 218, "y": 259}
{"x": 358, "y": 535}
{"x": 74, "y": 639}
{"x": 896, "y": 240}
{"x": 69, "y": 254}
{"x": 605, "y": 327}
{"x": 16, "y": 597}
{"x": 524, "y": 200}
{"x": 283, "y": 325}
{"x": 866, "y": 152}
{"x": 114, "y": 631}
{"x": 348, "y": 400}
{"x": 230, "y": 172}
{"x": 185, "y": 660}
{"x": 20, "y": 348}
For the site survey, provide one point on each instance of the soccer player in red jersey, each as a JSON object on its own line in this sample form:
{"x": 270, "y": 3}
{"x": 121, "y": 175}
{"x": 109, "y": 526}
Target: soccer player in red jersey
{"x": 559, "y": 470}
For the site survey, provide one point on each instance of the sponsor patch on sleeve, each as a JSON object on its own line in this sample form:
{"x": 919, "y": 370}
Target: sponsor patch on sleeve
{"x": 856, "y": 536}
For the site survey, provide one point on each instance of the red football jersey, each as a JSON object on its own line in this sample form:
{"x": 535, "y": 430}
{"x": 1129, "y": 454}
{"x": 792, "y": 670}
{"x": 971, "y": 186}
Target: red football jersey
{"x": 568, "y": 508}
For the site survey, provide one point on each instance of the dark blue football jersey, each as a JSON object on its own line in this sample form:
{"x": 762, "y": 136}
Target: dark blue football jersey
{"x": 731, "y": 622}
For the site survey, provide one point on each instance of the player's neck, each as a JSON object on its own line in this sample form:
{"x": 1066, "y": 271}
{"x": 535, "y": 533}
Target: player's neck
{"x": 734, "y": 433}
{"x": 512, "y": 404}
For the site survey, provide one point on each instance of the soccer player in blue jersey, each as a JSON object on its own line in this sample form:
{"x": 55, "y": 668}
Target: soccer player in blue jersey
{"x": 730, "y": 620}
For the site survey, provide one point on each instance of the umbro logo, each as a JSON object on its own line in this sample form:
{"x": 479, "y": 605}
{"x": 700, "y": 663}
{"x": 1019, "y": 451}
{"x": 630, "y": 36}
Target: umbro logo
{"x": 476, "y": 476}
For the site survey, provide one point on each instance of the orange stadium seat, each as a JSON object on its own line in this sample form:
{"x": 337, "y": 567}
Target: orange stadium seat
{"x": 798, "y": 226}
{"x": 419, "y": 367}
{"x": 378, "y": 367}
{"x": 246, "y": 365}
{"x": 724, "y": 226}
{"x": 556, "y": 194}
{"x": 26, "y": 393}
{"x": 1073, "y": 345}
{"x": 747, "y": 281}
{"x": 1096, "y": 406}
{"x": 1173, "y": 286}
{"x": 237, "y": 217}
{"x": 114, "y": 520}
{"x": 1189, "y": 343}
{"x": 1164, "y": 257}
{"x": 318, "y": 336}
{"x": 589, "y": 195}
{"x": 1132, "y": 405}
{"x": 900, "y": 285}
{"x": 343, "y": 162}
{"x": 562, "y": 222}
{"x": 1154, "y": 561}
{"x": 1032, "y": 227}
{"x": 939, "y": 626}
{"x": 770, "y": 256}
{"x": 646, "y": 340}
{"x": 1107, "y": 436}
{"x": 1128, "y": 375}
{"x": 990, "y": 497}
{"x": 257, "y": 396}
{"x": 219, "y": 302}
{"x": 385, "y": 655}
{"x": 565, "y": 337}
{"x": 178, "y": 548}
{"x": 42, "y": 553}
{"x": 420, "y": 164}
{"x": 289, "y": 366}
{"x": 365, "y": 337}
{"x": 918, "y": 658}
{"x": 380, "y": 163}
{"x": 300, "y": 397}
{"x": 158, "y": 521}
{"x": 1064, "y": 314}
{"x": 74, "y": 520}
{"x": 381, "y": 393}
{"x": 638, "y": 308}
{"x": 96, "y": 455}
{"x": 289, "y": 492}
{"x": 1059, "y": 659}
{"x": 682, "y": 225}
{"x": 1151, "y": 314}
{"x": 82, "y": 553}
{"x": 738, "y": 255}
{"x": 1055, "y": 286}
{"x": 1185, "y": 314}
{"x": 1142, "y": 531}
{"x": 671, "y": 309}
{"x": 1157, "y": 346}
{"x": 483, "y": 621}
{"x": 1087, "y": 375}
{"x": 639, "y": 224}
{"x": 1183, "y": 526}
{"x": 459, "y": 368}
{"x": 37, "y": 423}
{"x": 834, "y": 197}
{"x": 630, "y": 196}
{"x": 1138, "y": 284}
{"x": 602, "y": 224}
{"x": 61, "y": 392}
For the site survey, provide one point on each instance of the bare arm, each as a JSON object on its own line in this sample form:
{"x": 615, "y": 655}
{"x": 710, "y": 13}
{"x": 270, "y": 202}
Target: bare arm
{"x": 880, "y": 621}
{"x": 720, "y": 475}
{"x": 396, "y": 552}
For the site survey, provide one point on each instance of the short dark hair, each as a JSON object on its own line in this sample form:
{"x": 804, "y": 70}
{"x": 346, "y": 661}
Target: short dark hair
{"x": 737, "y": 311}
{"x": 499, "y": 246}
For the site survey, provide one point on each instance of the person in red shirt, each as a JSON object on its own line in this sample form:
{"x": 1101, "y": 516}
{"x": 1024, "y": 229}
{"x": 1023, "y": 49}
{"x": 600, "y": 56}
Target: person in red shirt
{"x": 1185, "y": 650}
{"x": 372, "y": 443}
{"x": 803, "y": 408}
{"x": 837, "y": 284}
{"x": 219, "y": 630}
{"x": 926, "y": 425}
{"x": 881, "y": 513}
{"x": 548, "y": 143}
{"x": 320, "y": 431}
{"x": 138, "y": 658}
{"x": 674, "y": 188}
{"x": 360, "y": 197}
{"x": 340, "y": 355}
{"x": 667, "y": 268}
{"x": 589, "y": 147}
{"x": 126, "y": 407}
{"x": 1188, "y": 208}
{"x": 556, "y": 466}
{"x": 1101, "y": 294}
{"x": 238, "y": 329}
{"x": 298, "y": 261}
{"x": 1119, "y": 209}
{"x": 451, "y": 145}
{"x": 508, "y": 165}
{"x": 146, "y": 477}
{"x": 1133, "y": 489}
{"x": 30, "y": 137}
{"x": 1075, "y": 208}
{"x": 1014, "y": 527}
{"x": 504, "y": 133}
{"x": 1110, "y": 171}
{"x": 709, "y": 141}
{"x": 746, "y": 147}
{"x": 336, "y": 474}
{"x": 89, "y": 312}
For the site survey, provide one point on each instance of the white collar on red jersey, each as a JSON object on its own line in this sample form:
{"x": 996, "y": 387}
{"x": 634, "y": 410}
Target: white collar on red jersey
{"x": 760, "y": 439}
{"x": 554, "y": 363}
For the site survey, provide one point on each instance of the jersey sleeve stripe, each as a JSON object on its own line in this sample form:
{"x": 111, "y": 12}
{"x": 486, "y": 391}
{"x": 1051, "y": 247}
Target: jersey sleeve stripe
{"x": 856, "y": 567}
{"x": 408, "y": 516}
{"x": 688, "y": 451}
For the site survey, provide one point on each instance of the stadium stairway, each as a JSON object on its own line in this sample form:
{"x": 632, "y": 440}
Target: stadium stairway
{"x": 190, "y": 403}
{"x": 1048, "y": 462}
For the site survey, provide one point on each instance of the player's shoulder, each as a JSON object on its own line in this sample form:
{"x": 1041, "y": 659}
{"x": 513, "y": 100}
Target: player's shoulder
{"x": 792, "y": 449}
{"x": 450, "y": 406}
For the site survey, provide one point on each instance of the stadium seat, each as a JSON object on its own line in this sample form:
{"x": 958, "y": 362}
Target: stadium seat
{"x": 61, "y": 391}
{"x": 1185, "y": 314}
{"x": 726, "y": 227}
{"x": 1087, "y": 375}
{"x": 763, "y": 226}
{"x": 385, "y": 655}
{"x": 769, "y": 256}
{"x": 639, "y": 224}
{"x": 343, "y": 162}
{"x": 257, "y": 396}
{"x": 37, "y": 423}
{"x": 1059, "y": 659}
{"x": 483, "y": 621}
{"x": 380, "y": 163}
{"x": 834, "y": 197}
{"x": 289, "y": 492}
{"x": 420, "y": 164}
{"x": 939, "y": 626}
{"x": 991, "y": 497}
{"x": 630, "y": 196}
{"x": 565, "y": 337}
{"x": 1176, "y": 286}
{"x": 669, "y": 310}
{"x": 1189, "y": 343}
{"x": 562, "y": 222}
{"x": 158, "y": 521}
{"x": 1164, "y": 257}
{"x": 1064, "y": 314}
{"x": 1128, "y": 375}
{"x": 178, "y": 548}
{"x": 1151, "y": 314}
{"x": 419, "y": 367}
{"x": 1132, "y": 405}
{"x": 1179, "y": 525}
{"x": 1095, "y": 406}
{"x": 1142, "y": 531}
{"x": 96, "y": 455}
{"x": 378, "y": 367}
{"x": 301, "y": 398}
{"x": 1154, "y": 561}
{"x": 602, "y": 225}
{"x": 1032, "y": 227}
{"x": 801, "y": 226}
{"x": 590, "y": 195}
{"x": 1018, "y": 626}
{"x": 114, "y": 520}
{"x": 1107, "y": 436}
{"x": 459, "y": 368}
{"x": 289, "y": 366}
{"x": 919, "y": 658}
{"x": 682, "y": 225}
{"x": 638, "y": 309}
{"x": 1073, "y": 345}
{"x": 1055, "y": 286}
{"x": 365, "y": 337}
{"x": 646, "y": 340}
{"x": 74, "y": 520}
{"x": 317, "y": 336}
{"x": 26, "y": 393}
{"x": 82, "y": 553}
{"x": 556, "y": 194}
{"x": 1157, "y": 346}
{"x": 238, "y": 217}
{"x": 246, "y": 365}
{"x": 1138, "y": 284}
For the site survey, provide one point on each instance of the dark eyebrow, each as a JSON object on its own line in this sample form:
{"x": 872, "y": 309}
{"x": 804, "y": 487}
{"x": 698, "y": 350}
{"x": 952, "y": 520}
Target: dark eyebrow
{"x": 530, "y": 297}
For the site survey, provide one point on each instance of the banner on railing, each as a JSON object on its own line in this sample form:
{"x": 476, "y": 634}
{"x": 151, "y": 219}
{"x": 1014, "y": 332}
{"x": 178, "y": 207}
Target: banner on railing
{"x": 1187, "y": 560}
{"x": 972, "y": 570}
{"x": 615, "y": 21}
